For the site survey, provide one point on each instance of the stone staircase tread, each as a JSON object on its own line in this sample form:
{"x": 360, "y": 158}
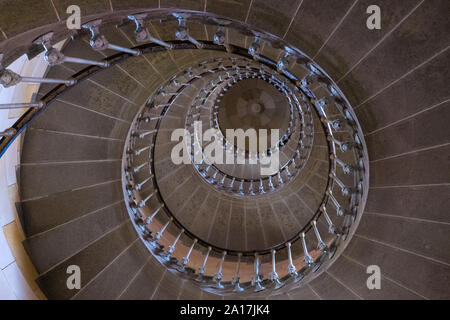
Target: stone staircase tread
{"x": 53, "y": 246}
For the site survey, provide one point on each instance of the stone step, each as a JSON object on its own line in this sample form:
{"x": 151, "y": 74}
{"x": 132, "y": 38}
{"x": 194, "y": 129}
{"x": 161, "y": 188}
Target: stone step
{"x": 91, "y": 260}
{"x": 49, "y": 212}
{"x": 65, "y": 177}
{"x": 113, "y": 280}
{"x": 53, "y": 246}
{"x": 41, "y": 146}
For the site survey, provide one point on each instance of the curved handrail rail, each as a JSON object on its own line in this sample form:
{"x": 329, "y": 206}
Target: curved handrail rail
{"x": 300, "y": 84}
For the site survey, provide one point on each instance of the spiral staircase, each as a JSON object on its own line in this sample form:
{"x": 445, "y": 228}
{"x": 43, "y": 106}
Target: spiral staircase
{"x": 99, "y": 190}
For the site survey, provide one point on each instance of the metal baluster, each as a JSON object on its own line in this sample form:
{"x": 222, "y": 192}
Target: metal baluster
{"x": 160, "y": 232}
{"x": 139, "y": 151}
{"x": 139, "y": 185}
{"x": 203, "y": 90}
{"x": 149, "y": 219}
{"x": 142, "y": 33}
{"x": 262, "y": 74}
{"x": 157, "y": 117}
{"x": 331, "y": 227}
{"x": 218, "y": 275}
{"x": 333, "y": 91}
{"x": 344, "y": 146}
{"x": 307, "y": 83}
{"x": 291, "y": 268}
{"x": 297, "y": 154}
{"x": 182, "y": 32}
{"x": 357, "y": 142}
{"x": 171, "y": 248}
{"x": 191, "y": 74}
{"x": 141, "y": 134}
{"x": 144, "y": 201}
{"x": 9, "y": 78}
{"x": 250, "y": 188}
{"x": 256, "y": 280}
{"x": 201, "y": 269}
{"x": 339, "y": 209}
{"x": 337, "y": 124}
{"x": 168, "y": 94}
{"x": 236, "y": 278}
{"x": 54, "y": 57}
{"x": 284, "y": 62}
{"x": 280, "y": 180}
{"x": 146, "y": 234}
{"x": 241, "y": 187}
{"x": 98, "y": 41}
{"x": 321, "y": 245}
{"x": 346, "y": 191}
{"x": 219, "y": 36}
{"x": 47, "y": 80}
{"x": 261, "y": 187}
{"x": 185, "y": 260}
{"x": 273, "y": 274}
{"x": 39, "y": 104}
{"x": 147, "y": 119}
{"x": 197, "y": 148}
{"x": 232, "y": 183}
{"x": 322, "y": 104}
{"x": 162, "y": 105}
{"x": 294, "y": 165}
{"x": 180, "y": 84}
{"x": 213, "y": 177}
{"x": 307, "y": 257}
{"x": 205, "y": 174}
{"x": 222, "y": 182}
{"x": 287, "y": 171}
{"x": 271, "y": 184}
{"x": 255, "y": 48}
{"x": 144, "y": 119}
{"x": 220, "y": 66}
{"x": 347, "y": 169}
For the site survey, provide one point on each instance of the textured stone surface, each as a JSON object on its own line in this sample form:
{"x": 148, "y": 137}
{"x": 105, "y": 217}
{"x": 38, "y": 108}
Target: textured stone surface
{"x": 354, "y": 275}
{"x": 425, "y": 167}
{"x": 197, "y": 5}
{"x": 229, "y": 8}
{"x": 48, "y": 249}
{"x": 425, "y": 130}
{"x": 314, "y": 22}
{"x": 419, "y": 38}
{"x": 46, "y": 213}
{"x": 115, "y": 278}
{"x": 65, "y": 117}
{"x": 353, "y": 40}
{"x": 87, "y": 7}
{"x": 17, "y": 16}
{"x": 421, "y": 202}
{"x": 400, "y": 265}
{"x": 422, "y": 89}
{"x": 64, "y": 177}
{"x": 89, "y": 260}
{"x": 303, "y": 293}
{"x": 272, "y": 16}
{"x": 427, "y": 240}
{"x": 327, "y": 287}
{"x": 145, "y": 282}
{"x": 46, "y": 146}
{"x": 402, "y": 75}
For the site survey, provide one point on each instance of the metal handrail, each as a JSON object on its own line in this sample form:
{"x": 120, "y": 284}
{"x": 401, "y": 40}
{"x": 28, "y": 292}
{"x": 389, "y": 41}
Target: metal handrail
{"x": 317, "y": 75}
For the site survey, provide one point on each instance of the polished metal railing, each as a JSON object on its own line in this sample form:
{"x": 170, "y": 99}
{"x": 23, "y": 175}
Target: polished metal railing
{"x": 342, "y": 203}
